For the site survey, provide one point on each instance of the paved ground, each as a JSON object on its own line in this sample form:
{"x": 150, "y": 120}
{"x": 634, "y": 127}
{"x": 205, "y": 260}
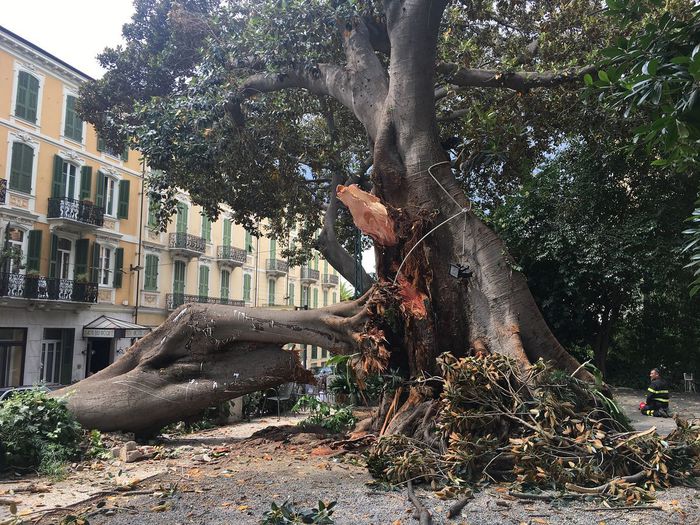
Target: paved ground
{"x": 687, "y": 405}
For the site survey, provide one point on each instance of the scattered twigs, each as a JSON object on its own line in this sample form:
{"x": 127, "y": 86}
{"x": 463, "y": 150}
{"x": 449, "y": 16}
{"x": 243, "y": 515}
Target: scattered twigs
{"x": 601, "y": 489}
{"x": 424, "y": 516}
{"x": 456, "y": 509}
{"x": 390, "y": 412}
{"x": 638, "y": 435}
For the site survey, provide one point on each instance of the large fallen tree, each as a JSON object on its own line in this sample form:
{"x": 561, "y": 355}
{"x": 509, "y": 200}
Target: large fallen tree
{"x": 445, "y": 280}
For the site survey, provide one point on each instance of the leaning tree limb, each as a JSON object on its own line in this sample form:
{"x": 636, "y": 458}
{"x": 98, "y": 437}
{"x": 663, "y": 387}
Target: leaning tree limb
{"x": 205, "y": 354}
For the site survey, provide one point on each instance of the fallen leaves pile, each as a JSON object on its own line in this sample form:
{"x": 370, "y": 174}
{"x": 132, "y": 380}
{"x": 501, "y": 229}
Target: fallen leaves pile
{"x": 537, "y": 428}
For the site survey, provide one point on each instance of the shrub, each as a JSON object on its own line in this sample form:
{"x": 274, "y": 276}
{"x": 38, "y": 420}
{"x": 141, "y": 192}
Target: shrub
{"x": 37, "y": 431}
{"x": 287, "y": 513}
{"x": 334, "y": 419}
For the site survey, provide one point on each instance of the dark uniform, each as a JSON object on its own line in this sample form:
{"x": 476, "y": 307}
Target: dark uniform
{"x": 657, "y": 399}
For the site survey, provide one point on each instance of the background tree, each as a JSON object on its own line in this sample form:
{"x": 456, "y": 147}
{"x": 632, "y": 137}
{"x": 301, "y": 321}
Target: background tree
{"x": 596, "y": 231}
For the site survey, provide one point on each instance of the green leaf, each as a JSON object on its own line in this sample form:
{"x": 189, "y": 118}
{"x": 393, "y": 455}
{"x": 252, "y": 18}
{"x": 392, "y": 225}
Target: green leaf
{"x": 603, "y": 76}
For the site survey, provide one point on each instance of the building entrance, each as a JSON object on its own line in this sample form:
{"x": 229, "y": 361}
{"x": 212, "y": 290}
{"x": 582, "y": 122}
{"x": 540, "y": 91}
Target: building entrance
{"x": 99, "y": 353}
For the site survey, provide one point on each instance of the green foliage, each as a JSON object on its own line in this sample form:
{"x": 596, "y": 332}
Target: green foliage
{"x": 288, "y": 513}
{"x": 334, "y": 419}
{"x": 96, "y": 449}
{"x": 655, "y": 67}
{"x": 693, "y": 248}
{"x": 37, "y": 431}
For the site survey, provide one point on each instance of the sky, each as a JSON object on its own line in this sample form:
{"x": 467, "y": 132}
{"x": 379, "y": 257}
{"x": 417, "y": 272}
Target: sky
{"x": 73, "y": 30}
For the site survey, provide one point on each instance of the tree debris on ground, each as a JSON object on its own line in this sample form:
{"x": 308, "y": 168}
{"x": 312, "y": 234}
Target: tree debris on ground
{"x": 536, "y": 427}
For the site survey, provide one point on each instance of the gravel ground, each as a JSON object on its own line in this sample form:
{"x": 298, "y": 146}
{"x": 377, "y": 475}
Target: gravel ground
{"x": 240, "y": 486}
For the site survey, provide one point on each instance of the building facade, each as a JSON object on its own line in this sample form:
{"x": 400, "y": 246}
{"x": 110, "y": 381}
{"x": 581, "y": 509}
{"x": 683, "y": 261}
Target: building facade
{"x": 82, "y": 271}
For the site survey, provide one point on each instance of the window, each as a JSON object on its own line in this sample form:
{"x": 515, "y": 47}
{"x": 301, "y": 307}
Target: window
{"x": 12, "y": 346}
{"x": 227, "y": 232}
{"x": 15, "y": 245}
{"x": 64, "y": 182}
{"x": 73, "y": 128}
{"x": 27, "y": 102}
{"x": 179, "y": 277}
{"x": 63, "y": 258}
{"x": 203, "y": 281}
{"x": 325, "y": 297}
{"x": 246, "y": 287}
{"x": 206, "y": 228}
{"x": 105, "y": 266}
{"x": 57, "y": 355}
{"x": 271, "y": 292}
{"x": 314, "y": 352}
{"x": 106, "y": 193}
{"x": 225, "y": 280}
{"x": 248, "y": 242}
{"x": 290, "y": 299}
{"x": 181, "y": 221}
{"x": 304, "y": 296}
{"x": 21, "y": 167}
{"x": 50, "y": 361}
{"x": 150, "y": 283}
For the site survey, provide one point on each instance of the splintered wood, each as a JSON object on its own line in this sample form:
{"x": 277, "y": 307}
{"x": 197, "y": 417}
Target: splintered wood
{"x": 368, "y": 214}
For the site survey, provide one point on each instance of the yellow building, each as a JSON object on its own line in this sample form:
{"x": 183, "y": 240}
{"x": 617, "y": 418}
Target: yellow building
{"x": 197, "y": 260}
{"x": 82, "y": 273}
{"x": 69, "y": 220}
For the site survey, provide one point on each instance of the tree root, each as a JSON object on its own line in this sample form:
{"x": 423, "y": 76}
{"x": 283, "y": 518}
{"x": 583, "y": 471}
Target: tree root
{"x": 601, "y": 489}
{"x": 424, "y": 516}
{"x": 456, "y": 509}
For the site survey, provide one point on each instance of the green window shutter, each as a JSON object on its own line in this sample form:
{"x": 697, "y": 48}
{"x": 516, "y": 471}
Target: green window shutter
{"x": 316, "y": 262}
{"x": 273, "y": 248}
{"x": 314, "y": 352}
{"x": 315, "y": 297}
{"x": 125, "y": 154}
{"x": 203, "y": 281}
{"x": 67, "y": 342}
{"x": 325, "y": 266}
{"x": 181, "y": 224}
{"x": 225, "y": 280}
{"x": 53, "y": 257}
{"x": 21, "y": 167}
{"x": 248, "y": 242}
{"x": 206, "y": 228}
{"x": 85, "y": 182}
{"x": 270, "y": 292}
{"x": 152, "y": 215}
{"x": 246, "y": 287}
{"x": 34, "y": 250}
{"x": 227, "y": 232}
{"x": 150, "y": 283}
{"x": 179, "y": 277}
{"x": 95, "y": 267}
{"x": 100, "y": 144}
{"x": 290, "y": 301}
{"x": 100, "y": 190}
{"x": 58, "y": 186}
{"x": 335, "y": 297}
{"x": 123, "y": 207}
{"x": 325, "y": 297}
{"x": 27, "y": 101}
{"x": 118, "y": 267}
{"x": 82, "y": 247}
{"x": 74, "y": 126}
{"x": 304, "y": 296}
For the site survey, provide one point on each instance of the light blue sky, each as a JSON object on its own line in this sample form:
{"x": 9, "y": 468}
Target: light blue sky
{"x": 72, "y": 30}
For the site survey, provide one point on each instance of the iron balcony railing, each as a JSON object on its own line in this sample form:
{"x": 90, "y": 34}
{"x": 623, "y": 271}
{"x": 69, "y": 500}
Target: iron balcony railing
{"x": 46, "y": 288}
{"x": 173, "y": 300}
{"x": 185, "y": 241}
{"x": 3, "y": 191}
{"x": 309, "y": 274}
{"x": 330, "y": 279}
{"x": 277, "y": 265}
{"x": 229, "y": 253}
{"x": 75, "y": 210}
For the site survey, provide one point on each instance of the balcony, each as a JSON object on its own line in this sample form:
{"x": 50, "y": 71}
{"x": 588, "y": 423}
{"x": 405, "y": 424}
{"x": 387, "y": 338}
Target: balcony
{"x": 173, "y": 300}
{"x": 181, "y": 243}
{"x": 3, "y": 191}
{"x": 329, "y": 280}
{"x": 75, "y": 214}
{"x": 308, "y": 275}
{"x": 42, "y": 288}
{"x": 276, "y": 267}
{"x": 230, "y": 256}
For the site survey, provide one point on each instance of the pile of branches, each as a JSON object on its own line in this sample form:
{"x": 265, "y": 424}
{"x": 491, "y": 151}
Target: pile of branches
{"x": 534, "y": 427}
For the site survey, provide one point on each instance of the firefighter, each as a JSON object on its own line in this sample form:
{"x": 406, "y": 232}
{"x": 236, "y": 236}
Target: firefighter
{"x": 657, "y": 396}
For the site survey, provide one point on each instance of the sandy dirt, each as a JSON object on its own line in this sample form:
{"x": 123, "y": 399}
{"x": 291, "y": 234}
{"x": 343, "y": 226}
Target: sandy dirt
{"x": 219, "y": 477}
